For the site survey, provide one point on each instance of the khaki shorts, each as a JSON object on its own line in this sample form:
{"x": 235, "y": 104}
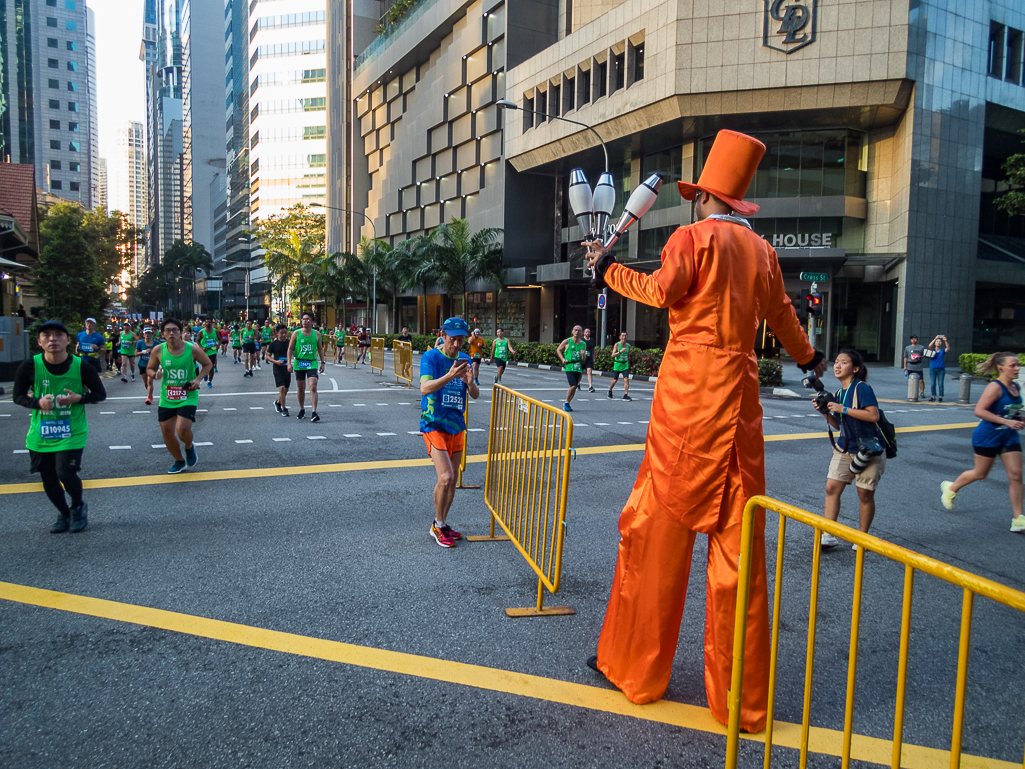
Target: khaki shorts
{"x": 840, "y": 470}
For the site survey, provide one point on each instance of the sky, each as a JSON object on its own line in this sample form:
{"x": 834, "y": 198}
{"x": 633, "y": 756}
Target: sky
{"x": 120, "y": 77}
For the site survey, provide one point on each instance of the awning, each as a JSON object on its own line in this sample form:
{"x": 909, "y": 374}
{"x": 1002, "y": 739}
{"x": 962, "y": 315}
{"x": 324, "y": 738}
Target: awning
{"x": 7, "y": 264}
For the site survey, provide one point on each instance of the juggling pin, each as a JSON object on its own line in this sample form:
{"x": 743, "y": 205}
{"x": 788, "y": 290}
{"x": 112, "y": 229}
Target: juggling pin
{"x": 580, "y": 201}
{"x": 640, "y": 202}
{"x": 604, "y": 203}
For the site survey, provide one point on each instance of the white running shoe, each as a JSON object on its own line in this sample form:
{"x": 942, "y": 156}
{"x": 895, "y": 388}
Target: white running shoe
{"x": 828, "y": 541}
{"x": 947, "y": 496}
{"x": 1018, "y": 524}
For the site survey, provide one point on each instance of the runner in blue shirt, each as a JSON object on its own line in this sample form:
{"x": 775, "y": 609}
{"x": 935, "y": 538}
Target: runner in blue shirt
{"x": 91, "y": 345}
{"x": 446, "y": 377}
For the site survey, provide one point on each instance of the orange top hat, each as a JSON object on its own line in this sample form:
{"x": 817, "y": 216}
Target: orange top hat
{"x": 728, "y": 172}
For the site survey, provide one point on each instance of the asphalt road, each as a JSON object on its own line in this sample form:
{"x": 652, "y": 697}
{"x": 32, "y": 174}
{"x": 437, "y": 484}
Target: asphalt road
{"x": 345, "y": 556}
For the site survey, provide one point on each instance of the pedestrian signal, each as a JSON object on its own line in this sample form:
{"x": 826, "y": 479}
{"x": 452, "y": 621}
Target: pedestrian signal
{"x": 815, "y": 304}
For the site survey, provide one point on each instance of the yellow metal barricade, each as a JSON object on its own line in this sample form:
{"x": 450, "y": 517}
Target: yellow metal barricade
{"x": 970, "y": 584}
{"x": 530, "y": 444}
{"x": 350, "y": 351}
{"x": 402, "y": 361}
{"x": 377, "y": 354}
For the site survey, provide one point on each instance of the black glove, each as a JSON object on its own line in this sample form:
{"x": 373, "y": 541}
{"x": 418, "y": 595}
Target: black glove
{"x": 603, "y": 263}
{"x": 813, "y": 363}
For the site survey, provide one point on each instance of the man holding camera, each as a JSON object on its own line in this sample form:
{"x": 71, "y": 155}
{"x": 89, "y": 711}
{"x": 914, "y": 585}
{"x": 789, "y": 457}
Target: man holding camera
{"x": 858, "y": 454}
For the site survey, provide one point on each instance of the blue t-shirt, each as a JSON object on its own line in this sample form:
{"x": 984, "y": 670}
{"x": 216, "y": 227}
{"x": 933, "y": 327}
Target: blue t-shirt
{"x": 939, "y": 359}
{"x": 92, "y": 345}
{"x": 442, "y": 410}
{"x": 144, "y": 351}
{"x": 850, "y": 428}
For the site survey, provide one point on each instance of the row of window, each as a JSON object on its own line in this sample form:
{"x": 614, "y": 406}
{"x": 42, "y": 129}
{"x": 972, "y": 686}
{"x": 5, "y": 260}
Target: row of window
{"x": 55, "y": 125}
{"x": 55, "y": 184}
{"x": 55, "y": 104}
{"x": 305, "y": 48}
{"x": 620, "y": 68}
{"x": 295, "y": 77}
{"x": 316, "y": 104}
{"x": 287, "y": 22}
{"x": 55, "y": 64}
{"x": 54, "y": 83}
{"x": 74, "y": 165}
{"x": 52, "y": 42}
{"x": 289, "y": 134}
{"x": 69, "y": 5}
{"x": 69, "y": 25}
{"x": 1006, "y": 53}
{"x": 72, "y": 146}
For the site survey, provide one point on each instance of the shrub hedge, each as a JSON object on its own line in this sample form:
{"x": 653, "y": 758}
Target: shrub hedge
{"x": 970, "y": 360}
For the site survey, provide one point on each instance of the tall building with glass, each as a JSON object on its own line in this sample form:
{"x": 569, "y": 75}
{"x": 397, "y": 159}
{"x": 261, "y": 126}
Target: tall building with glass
{"x": 129, "y": 184}
{"x": 47, "y": 94}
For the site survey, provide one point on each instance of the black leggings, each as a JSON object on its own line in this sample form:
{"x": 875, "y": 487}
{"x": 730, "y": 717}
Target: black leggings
{"x": 59, "y": 474}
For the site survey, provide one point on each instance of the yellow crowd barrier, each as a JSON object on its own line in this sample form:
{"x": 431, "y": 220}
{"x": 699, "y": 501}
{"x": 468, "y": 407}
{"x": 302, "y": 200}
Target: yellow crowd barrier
{"x": 970, "y": 584}
{"x": 350, "y": 353}
{"x": 377, "y": 354}
{"x": 530, "y": 444}
{"x": 402, "y": 361}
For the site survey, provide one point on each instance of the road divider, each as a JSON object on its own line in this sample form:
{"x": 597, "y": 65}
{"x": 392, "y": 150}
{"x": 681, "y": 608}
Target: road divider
{"x": 377, "y": 355}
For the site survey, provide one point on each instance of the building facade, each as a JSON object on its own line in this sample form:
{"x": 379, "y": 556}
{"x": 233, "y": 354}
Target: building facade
{"x": 46, "y": 94}
{"x": 886, "y": 124}
{"x": 129, "y": 193}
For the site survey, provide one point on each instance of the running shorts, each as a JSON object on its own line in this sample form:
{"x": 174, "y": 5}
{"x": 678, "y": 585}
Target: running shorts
{"x": 445, "y": 441}
{"x": 185, "y": 412}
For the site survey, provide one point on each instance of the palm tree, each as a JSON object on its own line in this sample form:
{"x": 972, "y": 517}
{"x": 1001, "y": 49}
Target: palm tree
{"x": 418, "y": 262}
{"x": 285, "y": 262}
{"x": 387, "y": 262}
{"x": 467, "y": 257}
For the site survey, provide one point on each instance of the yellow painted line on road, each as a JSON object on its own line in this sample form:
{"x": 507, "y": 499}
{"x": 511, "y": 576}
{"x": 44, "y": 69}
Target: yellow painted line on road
{"x": 823, "y": 741}
{"x": 384, "y": 464}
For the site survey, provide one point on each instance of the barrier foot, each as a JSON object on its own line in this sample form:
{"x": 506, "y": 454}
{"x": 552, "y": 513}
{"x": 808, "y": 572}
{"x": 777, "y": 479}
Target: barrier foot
{"x": 461, "y": 486}
{"x": 482, "y": 538}
{"x": 533, "y": 611}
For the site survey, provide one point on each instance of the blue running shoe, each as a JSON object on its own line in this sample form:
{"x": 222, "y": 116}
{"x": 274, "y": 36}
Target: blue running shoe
{"x": 209, "y": 384}
{"x": 566, "y": 407}
{"x": 191, "y": 457}
{"x": 176, "y": 468}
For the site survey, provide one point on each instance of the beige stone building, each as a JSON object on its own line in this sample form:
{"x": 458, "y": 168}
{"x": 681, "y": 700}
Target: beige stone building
{"x": 886, "y": 125}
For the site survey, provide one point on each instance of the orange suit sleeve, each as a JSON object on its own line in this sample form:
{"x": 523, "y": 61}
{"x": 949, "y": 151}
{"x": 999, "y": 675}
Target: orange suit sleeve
{"x": 782, "y": 319}
{"x": 665, "y": 286}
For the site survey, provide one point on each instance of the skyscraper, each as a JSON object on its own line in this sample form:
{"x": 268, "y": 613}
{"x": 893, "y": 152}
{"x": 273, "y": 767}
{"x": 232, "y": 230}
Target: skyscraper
{"x": 46, "y": 94}
{"x": 100, "y": 192}
{"x": 129, "y": 194}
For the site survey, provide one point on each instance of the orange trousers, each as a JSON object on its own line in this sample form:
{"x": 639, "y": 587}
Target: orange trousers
{"x": 642, "y": 624}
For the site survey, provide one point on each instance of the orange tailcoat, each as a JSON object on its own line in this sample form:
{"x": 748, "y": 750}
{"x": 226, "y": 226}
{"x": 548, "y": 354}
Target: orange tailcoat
{"x": 704, "y": 457}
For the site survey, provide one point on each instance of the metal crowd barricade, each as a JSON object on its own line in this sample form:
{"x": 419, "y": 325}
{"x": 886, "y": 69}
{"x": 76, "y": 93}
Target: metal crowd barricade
{"x": 530, "y": 445}
{"x": 377, "y": 354}
{"x": 350, "y": 352}
{"x": 402, "y": 361}
{"x": 971, "y": 585}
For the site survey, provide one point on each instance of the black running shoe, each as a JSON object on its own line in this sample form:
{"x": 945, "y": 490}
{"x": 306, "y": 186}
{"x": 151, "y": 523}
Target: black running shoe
{"x": 284, "y": 413}
{"x": 277, "y": 407}
{"x": 314, "y": 416}
{"x": 627, "y": 398}
{"x": 301, "y": 414}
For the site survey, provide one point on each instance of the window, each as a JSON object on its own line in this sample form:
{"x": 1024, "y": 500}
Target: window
{"x": 314, "y": 132}
{"x": 314, "y": 75}
{"x": 72, "y": 45}
{"x": 75, "y": 186}
{"x": 74, "y": 165}
{"x": 73, "y": 147}
{"x": 542, "y": 106}
{"x": 668, "y": 163}
{"x": 569, "y": 101}
{"x": 55, "y": 165}
{"x": 585, "y": 87}
{"x": 316, "y": 161}
{"x": 72, "y": 126}
{"x": 72, "y": 106}
{"x": 601, "y": 79}
{"x": 55, "y": 104}
{"x": 53, "y": 64}
{"x": 53, "y": 83}
{"x": 314, "y": 105}
{"x": 55, "y": 184}
{"x": 72, "y": 66}
{"x": 55, "y": 125}
{"x": 51, "y": 42}
{"x": 1013, "y": 57}
{"x": 72, "y": 86}
{"x": 996, "y": 49}
{"x": 51, "y": 22}
{"x": 638, "y": 63}
{"x": 528, "y": 113}
{"x": 70, "y": 26}
{"x": 69, "y": 5}
{"x": 52, "y": 3}
{"x": 555, "y": 101}
{"x": 55, "y": 144}
{"x": 618, "y": 72}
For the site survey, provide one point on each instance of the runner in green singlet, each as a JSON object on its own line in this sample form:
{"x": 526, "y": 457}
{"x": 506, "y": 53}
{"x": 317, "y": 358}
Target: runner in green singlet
{"x": 249, "y": 347}
{"x": 179, "y": 390}
{"x": 304, "y": 349}
{"x": 572, "y": 352}
{"x": 209, "y": 340}
{"x": 621, "y": 365}
{"x": 236, "y": 343}
{"x": 127, "y": 342}
{"x": 501, "y": 350}
{"x": 56, "y": 387}
{"x": 266, "y": 336}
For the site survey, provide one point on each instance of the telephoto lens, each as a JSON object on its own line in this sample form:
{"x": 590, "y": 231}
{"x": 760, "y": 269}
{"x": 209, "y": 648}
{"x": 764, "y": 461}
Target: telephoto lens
{"x": 860, "y": 462}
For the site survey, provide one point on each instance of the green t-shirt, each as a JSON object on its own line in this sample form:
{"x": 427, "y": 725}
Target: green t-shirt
{"x": 621, "y": 362}
{"x": 575, "y": 352}
{"x": 502, "y": 349}
{"x": 178, "y": 371}
{"x": 64, "y": 428}
{"x": 304, "y": 356}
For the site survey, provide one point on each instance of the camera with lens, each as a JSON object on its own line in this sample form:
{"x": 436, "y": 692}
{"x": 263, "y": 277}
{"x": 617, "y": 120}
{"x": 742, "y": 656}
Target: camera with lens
{"x": 822, "y": 399}
{"x": 868, "y": 449}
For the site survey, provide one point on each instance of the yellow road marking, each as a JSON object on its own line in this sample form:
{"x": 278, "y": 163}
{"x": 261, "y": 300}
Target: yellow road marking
{"x": 384, "y": 464}
{"x": 824, "y": 741}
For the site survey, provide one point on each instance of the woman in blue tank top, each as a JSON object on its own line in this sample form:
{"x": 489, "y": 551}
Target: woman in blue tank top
{"x": 1000, "y": 409}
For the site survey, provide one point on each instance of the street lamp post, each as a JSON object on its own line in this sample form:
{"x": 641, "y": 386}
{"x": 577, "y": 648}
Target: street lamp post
{"x": 372, "y": 227}
{"x": 249, "y": 260}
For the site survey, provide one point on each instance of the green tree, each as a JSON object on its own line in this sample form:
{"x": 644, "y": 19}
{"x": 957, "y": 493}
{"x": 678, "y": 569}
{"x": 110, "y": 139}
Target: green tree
{"x": 466, "y": 257}
{"x": 287, "y": 260}
{"x": 418, "y": 262}
{"x": 1013, "y": 202}
{"x": 391, "y": 279}
{"x": 66, "y": 277}
{"x": 111, "y": 237}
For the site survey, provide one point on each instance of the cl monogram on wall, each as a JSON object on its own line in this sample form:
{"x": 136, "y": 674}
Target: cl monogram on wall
{"x": 797, "y": 22}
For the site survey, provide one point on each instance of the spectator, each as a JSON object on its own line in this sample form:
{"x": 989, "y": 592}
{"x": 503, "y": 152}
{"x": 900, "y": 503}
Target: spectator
{"x": 405, "y": 336}
{"x": 914, "y": 359}
{"x": 937, "y": 353}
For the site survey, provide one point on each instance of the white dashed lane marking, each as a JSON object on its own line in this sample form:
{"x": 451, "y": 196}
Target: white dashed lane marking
{"x": 473, "y": 430}
{"x": 108, "y": 412}
{"x": 336, "y": 405}
{"x": 386, "y": 433}
{"x": 198, "y": 410}
{"x": 316, "y": 437}
{"x": 256, "y": 408}
{"x": 401, "y": 404}
{"x": 601, "y": 424}
{"x": 359, "y": 404}
{"x": 243, "y": 441}
{"x": 415, "y": 432}
{"x": 352, "y": 435}
{"x": 157, "y": 446}
{"x": 142, "y": 412}
{"x": 624, "y": 423}
{"x": 203, "y": 443}
{"x": 279, "y": 440}
{"x": 120, "y": 448}
{"x": 231, "y": 409}
{"x": 21, "y": 451}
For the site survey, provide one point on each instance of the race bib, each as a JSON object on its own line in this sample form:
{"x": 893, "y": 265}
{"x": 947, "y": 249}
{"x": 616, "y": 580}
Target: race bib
{"x": 210, "y": 344}
{"x": 55, "y": 429}
{"x": 301, "y": 364}
{"x": 453, "y": 399}
{"x": 176, "y": 393}
{"x": 86, "y": 347}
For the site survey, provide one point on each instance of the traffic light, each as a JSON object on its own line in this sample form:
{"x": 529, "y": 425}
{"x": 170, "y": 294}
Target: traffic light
{"x": 815, "y": 304}
{"x": 801, "y": 307}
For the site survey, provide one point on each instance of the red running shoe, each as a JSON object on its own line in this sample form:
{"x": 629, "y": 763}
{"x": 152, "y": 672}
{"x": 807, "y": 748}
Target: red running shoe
{"x": 443, "y": 539}
{"x": 450, "y": 532}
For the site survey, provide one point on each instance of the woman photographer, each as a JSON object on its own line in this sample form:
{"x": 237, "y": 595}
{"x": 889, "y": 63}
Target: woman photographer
{"x": 858, "y": 452}
{"x": 1000, "y": 409}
